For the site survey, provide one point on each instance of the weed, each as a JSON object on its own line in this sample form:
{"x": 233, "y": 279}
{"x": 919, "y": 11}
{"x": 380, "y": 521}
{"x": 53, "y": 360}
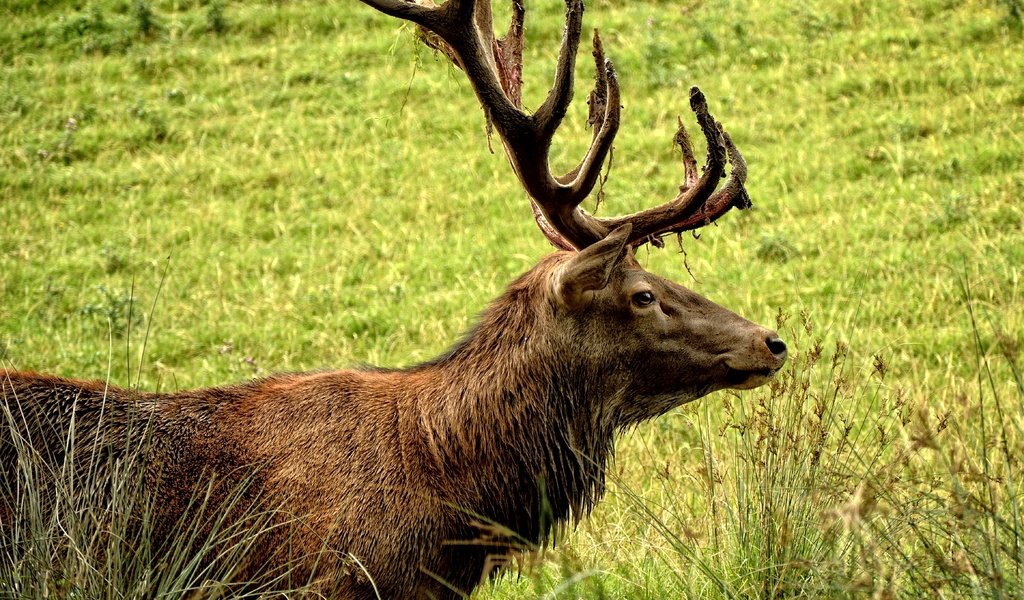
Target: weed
{"x": 65, "y": 147}
{"x": 776, "y": 249}
{"x": 1014, "y": 14}
{"x": 79, "y": 515}
{"x": 954, "y": 525}
{"x": 112, "y": 309}
{"x": 216, "y": 23}
{"x": 145, "y": 20}
{"x": 786, "y": 509}
{"x": 954, "y": 210}
{"x": 156, "y": 126}
{"x": 176, "y": 96}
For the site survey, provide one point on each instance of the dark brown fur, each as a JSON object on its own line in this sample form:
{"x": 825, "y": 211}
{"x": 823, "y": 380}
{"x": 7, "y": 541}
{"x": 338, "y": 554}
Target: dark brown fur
{"x": 407, "y": 473}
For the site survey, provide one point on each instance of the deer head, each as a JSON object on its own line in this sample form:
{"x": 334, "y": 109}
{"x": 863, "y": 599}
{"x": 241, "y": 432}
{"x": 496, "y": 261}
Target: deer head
{"x": 659, "y": 341}
{"x": 655, "y": 342}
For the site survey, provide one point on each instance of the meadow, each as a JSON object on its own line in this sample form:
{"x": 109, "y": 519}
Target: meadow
{"x": 195, "y": 193}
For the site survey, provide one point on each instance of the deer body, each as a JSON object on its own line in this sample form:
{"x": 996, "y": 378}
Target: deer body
{"x": 394, "y": 481}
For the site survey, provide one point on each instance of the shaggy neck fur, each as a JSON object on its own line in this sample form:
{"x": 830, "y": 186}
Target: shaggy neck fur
{"x": 520, "y": 419}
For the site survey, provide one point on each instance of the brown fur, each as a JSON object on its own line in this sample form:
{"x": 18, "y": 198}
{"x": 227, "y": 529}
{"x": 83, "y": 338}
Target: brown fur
{"x": 408, "y": 473}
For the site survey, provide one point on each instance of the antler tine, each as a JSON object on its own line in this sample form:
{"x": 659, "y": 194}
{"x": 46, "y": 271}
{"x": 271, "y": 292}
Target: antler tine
{"x": 561, "y": 208}
{"x": 420, "y": 14}
{"x": 605, "y": 107}
{"x": 466, "y": 35}
{"x": 731, "y": 194}
{"x": 556, "y": 198}
{"x": 509, "y": 58}
{"x": 605, "y": 124}
{"x": 551, "y": 112}
{"x": 557, "y": 239}
{"x": 682, "y": 139}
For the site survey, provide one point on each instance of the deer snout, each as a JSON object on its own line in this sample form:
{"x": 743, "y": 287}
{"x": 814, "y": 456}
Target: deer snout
{"x": 752, "y": 365}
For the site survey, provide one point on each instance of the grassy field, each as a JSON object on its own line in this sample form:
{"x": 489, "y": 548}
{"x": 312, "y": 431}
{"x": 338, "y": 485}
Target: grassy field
{"x": 194, "y": 193}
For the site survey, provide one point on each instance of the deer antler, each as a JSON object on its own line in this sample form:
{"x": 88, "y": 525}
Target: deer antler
{"x": 463, "y": 29}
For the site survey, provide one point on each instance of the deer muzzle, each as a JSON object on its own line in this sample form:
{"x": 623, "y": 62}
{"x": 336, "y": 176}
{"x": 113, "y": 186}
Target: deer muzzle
{"x": 754, "y": 367}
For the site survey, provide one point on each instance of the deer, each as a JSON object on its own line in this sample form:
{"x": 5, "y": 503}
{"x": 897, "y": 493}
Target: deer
{"x": 426, "y": 481}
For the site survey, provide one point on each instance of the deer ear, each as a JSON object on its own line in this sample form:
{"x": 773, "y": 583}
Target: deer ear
{"x": 591, "y": 268}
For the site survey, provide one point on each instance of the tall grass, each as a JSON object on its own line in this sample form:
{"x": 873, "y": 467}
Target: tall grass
{"x": 784, "y": 485}
{"x": 958, "y": 508}
{"x": 80, "y": 522}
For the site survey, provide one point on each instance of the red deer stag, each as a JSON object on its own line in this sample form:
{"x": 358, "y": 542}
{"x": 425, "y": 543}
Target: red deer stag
{"x": 404, "y": 476}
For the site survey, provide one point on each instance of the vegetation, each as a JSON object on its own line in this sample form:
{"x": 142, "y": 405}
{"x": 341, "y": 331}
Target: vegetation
{"x": 193, "y": 193}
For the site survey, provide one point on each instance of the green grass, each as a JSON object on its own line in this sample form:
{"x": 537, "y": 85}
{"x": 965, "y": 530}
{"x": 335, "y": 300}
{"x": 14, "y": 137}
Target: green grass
{"x": 318, "y": 190}
{"x": 90, "y": 535}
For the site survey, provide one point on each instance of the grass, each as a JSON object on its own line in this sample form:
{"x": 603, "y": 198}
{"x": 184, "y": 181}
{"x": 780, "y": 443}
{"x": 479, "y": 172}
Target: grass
{"x": 318, "y": 190}
{"x": 84, "y": 525}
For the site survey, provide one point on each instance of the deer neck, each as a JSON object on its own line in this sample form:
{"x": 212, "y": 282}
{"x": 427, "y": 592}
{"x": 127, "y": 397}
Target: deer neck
{"x": 515, "y": 425}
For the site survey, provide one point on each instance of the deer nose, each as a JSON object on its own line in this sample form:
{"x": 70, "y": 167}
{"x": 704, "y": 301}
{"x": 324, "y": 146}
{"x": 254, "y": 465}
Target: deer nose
{"x": 776, "y": 346}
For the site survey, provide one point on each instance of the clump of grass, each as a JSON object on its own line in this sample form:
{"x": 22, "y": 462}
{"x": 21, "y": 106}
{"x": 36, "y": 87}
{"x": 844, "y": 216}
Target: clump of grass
{"x": 780, "y": 486}
{"x": 776, "y": 248}
{"x": 84, "y": 25}
{"x": 80, "y": 522}
{"x": 113, "y": 309}
{"x": 216, "y": 23}
{"x": 1014, "y": 14}
{"x": 90, "y": 32}
{"x": 154, "y": 123}
{"x": 955, "y": 210}
{"x": 958, "y": 510}
{"x": 145, "y": 20}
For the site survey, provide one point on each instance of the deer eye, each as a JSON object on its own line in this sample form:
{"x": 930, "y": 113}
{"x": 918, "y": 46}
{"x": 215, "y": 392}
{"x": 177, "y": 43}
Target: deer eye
{"x": 643, "y": 298}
